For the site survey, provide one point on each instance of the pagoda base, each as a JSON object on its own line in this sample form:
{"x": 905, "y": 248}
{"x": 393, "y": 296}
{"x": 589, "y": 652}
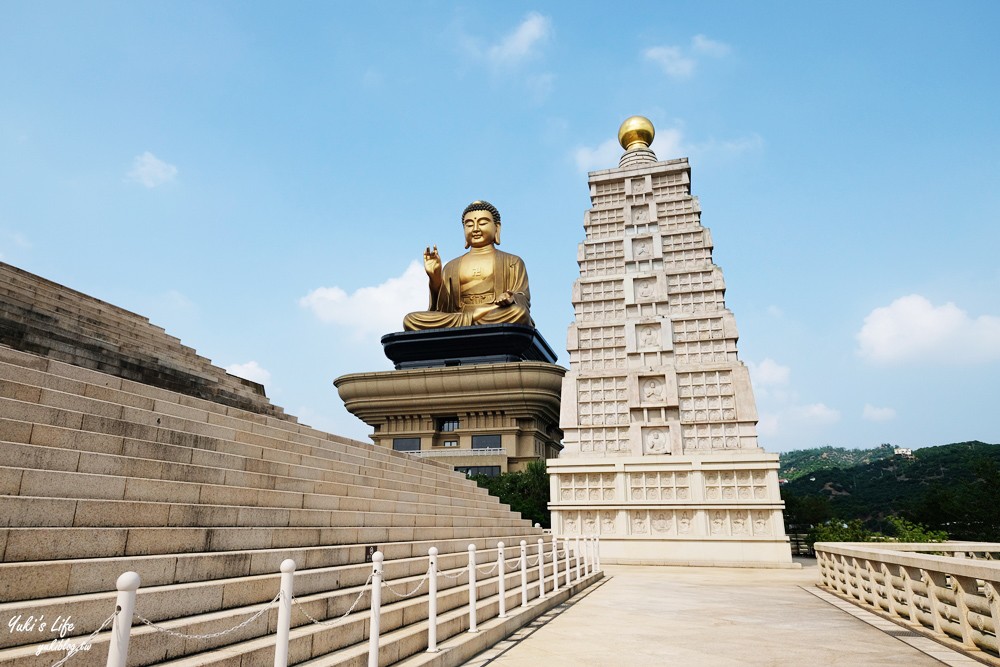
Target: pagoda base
{"x": 720, "y": 510}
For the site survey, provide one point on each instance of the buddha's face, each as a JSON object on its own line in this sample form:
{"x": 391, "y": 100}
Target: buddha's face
{"x": 480, "y": 229}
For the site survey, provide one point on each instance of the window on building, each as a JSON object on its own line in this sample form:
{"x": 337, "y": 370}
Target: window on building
{"x": 406, "y": 444}
{"x": 447, "y": 424}
{"x": 486, "y": 442}
{"x": 450, "y": 443}
{"x": 489, "y": 471}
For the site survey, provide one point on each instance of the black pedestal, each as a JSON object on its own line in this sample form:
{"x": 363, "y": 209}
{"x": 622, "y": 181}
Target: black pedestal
{"x": 457, "y": 346}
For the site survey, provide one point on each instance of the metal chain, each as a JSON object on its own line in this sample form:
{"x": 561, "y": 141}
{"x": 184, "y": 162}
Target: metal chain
{"x": 453, "y": 576}
{"x": 211, "y": 635}
{"x": 328, "y": 622}
{"x": 532, "y": 563}
{"x": 492, "y": 569}
{"x": 86, "y": 642}
{"x": 420, "y": 585}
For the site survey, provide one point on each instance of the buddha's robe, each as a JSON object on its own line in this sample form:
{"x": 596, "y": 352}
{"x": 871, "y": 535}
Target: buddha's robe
{"x": 452, "y": 305}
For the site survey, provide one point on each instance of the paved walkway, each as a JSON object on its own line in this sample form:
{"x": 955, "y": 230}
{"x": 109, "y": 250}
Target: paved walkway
{"x": 713, "y": 617}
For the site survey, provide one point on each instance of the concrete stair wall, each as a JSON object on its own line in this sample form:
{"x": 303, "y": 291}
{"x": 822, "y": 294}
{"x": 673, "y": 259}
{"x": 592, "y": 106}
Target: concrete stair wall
{"x": 99, "y": 475}
{"x": 122, "y": 449}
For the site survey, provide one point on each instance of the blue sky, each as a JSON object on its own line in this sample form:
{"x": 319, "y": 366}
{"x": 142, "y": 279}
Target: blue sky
{"x": 258, "y": 179}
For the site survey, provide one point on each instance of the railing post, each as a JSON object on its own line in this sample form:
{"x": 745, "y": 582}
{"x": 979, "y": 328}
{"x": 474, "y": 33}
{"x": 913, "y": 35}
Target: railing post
{"x": 121, "y": 629}
{"x": 566, "y": 558}
{"x": 964, "y": 588}
{"x": 588, "y": 563}
{"x": 579, "y": 560}
{"x": 374, "y": 623}
{"x": 597, "y": 552}
{"x": 502, "y": 581}
{"x": 541, "y": 569}
{"x": 524, "y": 573}
{"x": 472, "y": 588}
{"x": 432, "y": 601}
{"x": 284, "y": 613}
{"x": 555, "y": 565}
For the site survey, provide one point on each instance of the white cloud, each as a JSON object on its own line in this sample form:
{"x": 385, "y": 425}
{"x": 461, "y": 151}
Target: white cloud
{"x": 769, "y": 373}
{"x": 815, "y": 413}
{"x": 671, "y": 60}
{"x": 873, "y": 414}
{"x": 710, "y": 47}
{"x": 604, "y": 156}
{"x": 911, "y": 328}
{"x": 251, "y": 370}
{"x": 521, "y": 43}
{"x": 151, "y": 171}
{"x": 678, "y": 64}
{"x": 668, "y": 144}
{"x": 371, "y": 310}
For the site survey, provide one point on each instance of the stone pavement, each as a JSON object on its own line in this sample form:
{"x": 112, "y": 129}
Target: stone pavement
{"x": 712, "y": 617}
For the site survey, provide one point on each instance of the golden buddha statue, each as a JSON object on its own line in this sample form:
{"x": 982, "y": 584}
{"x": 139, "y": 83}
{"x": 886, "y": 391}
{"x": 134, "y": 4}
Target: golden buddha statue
{"x": 483, "y": 286}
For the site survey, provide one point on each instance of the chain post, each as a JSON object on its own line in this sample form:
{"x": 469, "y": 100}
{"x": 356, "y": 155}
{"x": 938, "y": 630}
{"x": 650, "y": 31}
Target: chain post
{"x": 375, "y": 622}
{"x": 284, "y": 613}
{"x": 432, "y": 602}
{"x": 566, "y": 557}
{"x": 555, "y": 565}
{"x": 524, "y": 573}
{"x": 472, "y": 588}
{"x": 127, "y": 584}
{"x": 579, "y": 560}
{"x": 541, "y": 569}
{"x": 502, "y": 581}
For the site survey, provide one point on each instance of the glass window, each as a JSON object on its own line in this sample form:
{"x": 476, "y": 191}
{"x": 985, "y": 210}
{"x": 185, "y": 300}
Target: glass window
{"x": 406, "y": 444}
{"x": 489, "y": 471}
{"x": 447, "y": 424}
{"x": 450, "y": 443}
{"x": 486, "y": 442}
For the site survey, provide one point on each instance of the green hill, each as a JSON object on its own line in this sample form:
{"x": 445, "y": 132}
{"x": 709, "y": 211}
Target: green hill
{"x": 951, "y": 487}
{"x": 804, "y": 461}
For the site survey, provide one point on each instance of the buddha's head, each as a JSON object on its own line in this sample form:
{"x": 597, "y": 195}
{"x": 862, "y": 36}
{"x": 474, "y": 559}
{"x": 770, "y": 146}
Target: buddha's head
{"x": 481, "y": 222}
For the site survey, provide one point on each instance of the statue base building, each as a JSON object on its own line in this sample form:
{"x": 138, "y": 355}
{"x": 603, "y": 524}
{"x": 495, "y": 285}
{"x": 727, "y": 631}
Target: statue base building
{"x": 661, "y": 458}
{"x": 482, "y": 399}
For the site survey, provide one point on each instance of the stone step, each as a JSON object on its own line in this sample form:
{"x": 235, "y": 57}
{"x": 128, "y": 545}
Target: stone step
{"x": 226, "y": 603}
{"x": 49, "y": 447}
{"x": 136, "y": 359}
{"x": 260, "y": 432}
{"x": 108, "y": 323}
{"x": 32, "y": 482}
{"x": 181, "y": 601}
{"x": 41, "y": 512}
{"x": 37, "y": 544}
{"x": 34, "y": 288}
{"x": 98, "y": 343}
{"x": 67, "y": 577}
{"x": 167, "y": 466}
{"x": 52, "y": 425}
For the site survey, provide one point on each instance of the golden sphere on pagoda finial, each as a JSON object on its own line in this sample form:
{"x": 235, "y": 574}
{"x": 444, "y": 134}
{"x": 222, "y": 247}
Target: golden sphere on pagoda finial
{"x": 636, "y": 132}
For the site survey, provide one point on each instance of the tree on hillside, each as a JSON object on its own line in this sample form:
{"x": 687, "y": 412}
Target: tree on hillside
{"x": 526, "y": 491}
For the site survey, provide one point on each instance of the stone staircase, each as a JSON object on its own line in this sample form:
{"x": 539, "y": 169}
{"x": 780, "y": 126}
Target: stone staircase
{"x": 101, "y": 474}
{"x": 49, "y": 319}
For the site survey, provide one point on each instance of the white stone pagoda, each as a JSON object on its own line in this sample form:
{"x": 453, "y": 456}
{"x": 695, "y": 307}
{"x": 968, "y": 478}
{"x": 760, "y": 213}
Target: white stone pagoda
{"x": 661, "y": 457}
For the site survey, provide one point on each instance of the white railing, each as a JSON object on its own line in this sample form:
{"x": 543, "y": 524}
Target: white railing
{"x": 452, "y": 451}
{"x": 586, "y": 557}
{"x": 949, "y": 590}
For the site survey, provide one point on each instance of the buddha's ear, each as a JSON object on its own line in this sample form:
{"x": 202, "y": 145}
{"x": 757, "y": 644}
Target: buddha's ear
{"x": 497, "y": 240}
